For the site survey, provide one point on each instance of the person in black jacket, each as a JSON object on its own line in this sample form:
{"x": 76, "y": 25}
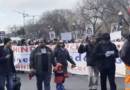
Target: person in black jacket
{"x": 91, "y": 62}
{"x": 7, "y": 68}
{"x": 62, "y": 55}
{"x": 106, "y": 61}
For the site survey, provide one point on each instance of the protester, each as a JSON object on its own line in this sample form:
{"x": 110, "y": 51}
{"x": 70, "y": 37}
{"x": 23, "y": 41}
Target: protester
{"x": 62, "y": 55}
{"x": 15, "y": 43}
{"x": 59, "y": 76}
{"x": 124, "y": 54}
{"x": 91, "y": 63}
{"x": 123, "y": 39}
{"x": 51, "y": 43}
{"x": 106, "y": 61}
{"x": 41, "y": 60}
{"x": 31, "y": 42}
{"x": 7, "y": 68}
{"x": 23, "y": 42}
{"x": 19, "y": 43}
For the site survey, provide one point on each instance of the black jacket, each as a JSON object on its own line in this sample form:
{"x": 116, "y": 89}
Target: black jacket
{"x": 3, "y": 61}
{"x": 62, "y": 56}
{"x": 99, "y": 54}
{"x": 36, "y": 60}
{"x": 89, "y": 50}
{"x": 124, "y": 53}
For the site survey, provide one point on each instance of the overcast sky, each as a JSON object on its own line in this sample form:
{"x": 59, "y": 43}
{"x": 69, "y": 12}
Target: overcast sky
{"x": 31, "y": 7}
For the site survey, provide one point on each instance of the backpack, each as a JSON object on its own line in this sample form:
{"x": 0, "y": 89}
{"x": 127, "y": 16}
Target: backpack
{"x": 16, "y": 83}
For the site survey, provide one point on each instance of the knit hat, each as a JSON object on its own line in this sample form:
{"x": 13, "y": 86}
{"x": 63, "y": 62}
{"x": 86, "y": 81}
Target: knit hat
{"x": 6, "y": 40}
{"x": 106, "y": 37}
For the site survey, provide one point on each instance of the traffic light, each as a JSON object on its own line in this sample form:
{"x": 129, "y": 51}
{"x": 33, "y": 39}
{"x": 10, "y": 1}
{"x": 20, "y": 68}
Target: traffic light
{"x": 120, "y": 24}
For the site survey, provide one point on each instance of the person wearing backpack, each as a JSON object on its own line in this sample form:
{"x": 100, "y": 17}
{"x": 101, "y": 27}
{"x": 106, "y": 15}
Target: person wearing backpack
{"x": 124, "y": 54}
{"x": 91, "y": 62}
{"x": 105, "y": 54}
{"x": 62, "y": 56}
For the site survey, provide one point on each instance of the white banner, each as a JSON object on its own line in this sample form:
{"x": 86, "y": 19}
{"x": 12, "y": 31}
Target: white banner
{"x": 66, "y": 36}
{"x": 22, "y": 59}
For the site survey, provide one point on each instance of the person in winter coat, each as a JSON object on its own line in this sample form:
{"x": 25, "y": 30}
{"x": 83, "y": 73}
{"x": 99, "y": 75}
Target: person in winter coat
{"x": 124, "y": 54}
{"x": 106, "y": 61}
{"x": 41, "y": 61}
{"x": 91, "y": 62}
{"x": 59, "y": 76}
{"x": 7, "y": 68}
{"x": 62, "y": 55}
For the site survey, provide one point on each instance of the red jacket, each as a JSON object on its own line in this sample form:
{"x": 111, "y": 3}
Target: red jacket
{"x": 59, "y": 74}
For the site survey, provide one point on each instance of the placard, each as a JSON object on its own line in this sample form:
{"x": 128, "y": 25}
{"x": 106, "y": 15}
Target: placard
{"x": 89, "y": 30}
{"x": 52, "y": 35}
{"x": 114, "y": 27}
{"x": 66, "y": 36}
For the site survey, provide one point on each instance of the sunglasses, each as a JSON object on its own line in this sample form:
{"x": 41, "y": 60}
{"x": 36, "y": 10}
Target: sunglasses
{"x": 61, "y": 43}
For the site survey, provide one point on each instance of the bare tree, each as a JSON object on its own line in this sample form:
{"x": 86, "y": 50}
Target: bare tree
{"x": 58, "y": 20}
{"x": 90, "y": 12}
{"x": 14, "y": 29}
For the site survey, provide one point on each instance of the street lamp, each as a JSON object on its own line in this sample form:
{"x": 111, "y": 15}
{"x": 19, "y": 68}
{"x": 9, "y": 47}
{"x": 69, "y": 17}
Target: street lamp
{"x": 39, "y": 34}
{"x": 80, "y": 29}
{"x": 51, "y": 29}
{"x": 74, "y": 30}
{"x": 31, "y": 35}
{"x": 120, "y": 14}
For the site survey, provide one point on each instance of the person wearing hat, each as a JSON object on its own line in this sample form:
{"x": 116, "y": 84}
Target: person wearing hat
{"x": 105, "y": 54}
{"x": 7, "y": 68}
{"x": 62, "y": 55}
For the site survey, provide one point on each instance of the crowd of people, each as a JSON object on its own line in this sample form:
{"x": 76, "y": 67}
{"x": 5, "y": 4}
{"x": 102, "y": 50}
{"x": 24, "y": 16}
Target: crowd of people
{"x": 24, "y": 42}
{"x": 42, "y": 58}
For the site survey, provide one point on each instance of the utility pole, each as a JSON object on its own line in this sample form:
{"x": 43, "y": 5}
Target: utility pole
{"x": 24, "y": 15}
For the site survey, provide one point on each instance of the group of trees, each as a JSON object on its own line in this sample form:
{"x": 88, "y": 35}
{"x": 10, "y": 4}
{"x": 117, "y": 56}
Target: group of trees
{"x": 100, "y": 13}
{"x": 16, "y": 30}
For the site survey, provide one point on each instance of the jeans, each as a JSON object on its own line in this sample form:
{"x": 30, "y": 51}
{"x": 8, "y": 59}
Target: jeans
{"x": 93, "y": 79}
{"x": 110, "y": 73}
{"x": 43, "y": 77}
{"x": 60, "y": 86}
{"x": 9, "y": 77}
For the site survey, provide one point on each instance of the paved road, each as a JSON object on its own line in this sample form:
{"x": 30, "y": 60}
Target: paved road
{"x": 75, "y": 82}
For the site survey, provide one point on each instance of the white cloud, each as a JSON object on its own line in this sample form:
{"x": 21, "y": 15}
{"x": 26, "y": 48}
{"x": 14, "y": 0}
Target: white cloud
{"x": 31, "y": 7}
{"x": 40, "y": 4}
{"x": 2, "y": 15}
